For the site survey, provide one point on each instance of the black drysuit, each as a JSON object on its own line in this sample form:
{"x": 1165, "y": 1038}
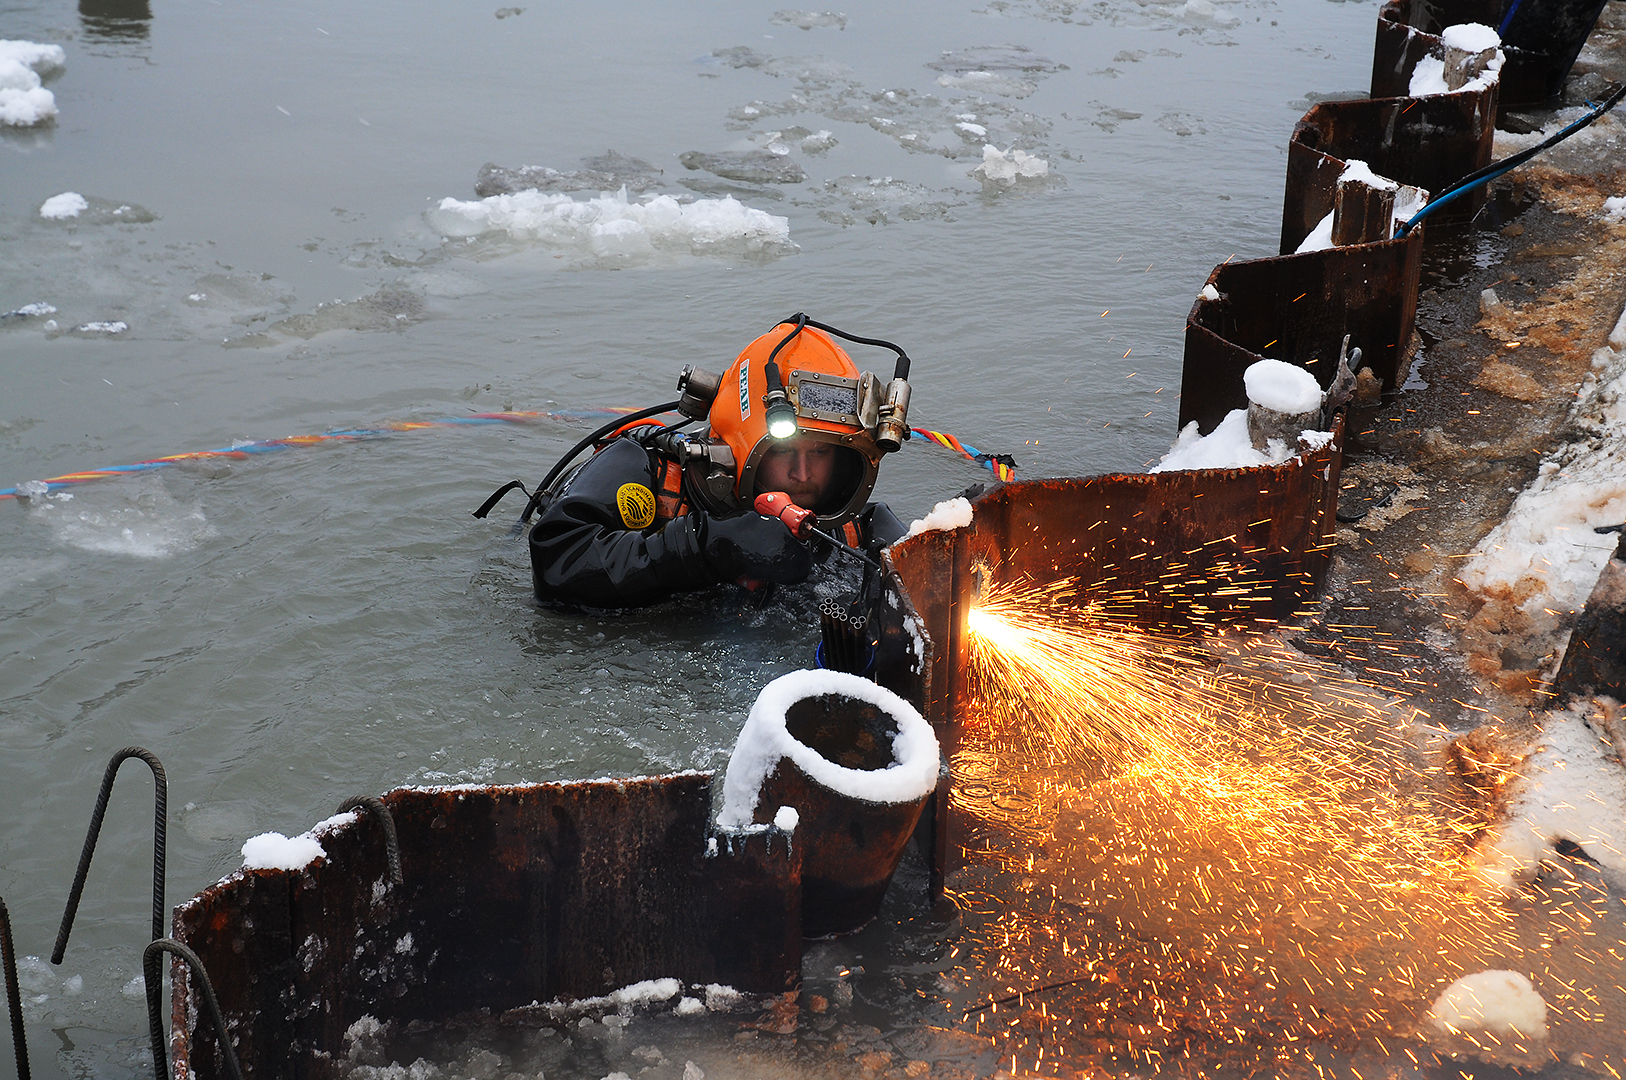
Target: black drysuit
{"x": 594, "y": 545}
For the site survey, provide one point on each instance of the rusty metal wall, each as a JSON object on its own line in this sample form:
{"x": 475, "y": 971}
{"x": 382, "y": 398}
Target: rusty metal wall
{"x": 1194, "y": 548}
{"x": 511, "y": 895}
{"x": 1428, "y": 142}
{"x": 1297, "y": 308}
{"x": 1541, "y": 41}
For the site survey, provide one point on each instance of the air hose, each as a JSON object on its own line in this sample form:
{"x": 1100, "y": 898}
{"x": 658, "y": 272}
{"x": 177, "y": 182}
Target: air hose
{"x": 1508, "y": 164}
{"x": 570, "y": 455}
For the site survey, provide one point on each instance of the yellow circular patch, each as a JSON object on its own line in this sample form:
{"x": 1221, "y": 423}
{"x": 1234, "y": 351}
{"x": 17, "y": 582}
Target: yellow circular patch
{"x": 637, "y": 505}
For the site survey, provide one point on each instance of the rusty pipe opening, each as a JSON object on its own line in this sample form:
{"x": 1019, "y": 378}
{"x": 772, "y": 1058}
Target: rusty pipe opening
{"x": 856, "y": 763}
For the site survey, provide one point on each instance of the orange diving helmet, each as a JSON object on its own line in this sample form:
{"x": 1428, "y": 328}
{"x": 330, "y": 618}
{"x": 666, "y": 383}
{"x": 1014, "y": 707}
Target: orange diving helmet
{"x": 793, "y": 382}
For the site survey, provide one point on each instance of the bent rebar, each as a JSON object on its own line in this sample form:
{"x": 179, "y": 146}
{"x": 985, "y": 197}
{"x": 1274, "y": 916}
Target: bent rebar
{"x": 14, "y": 996}
{"x": 386, "y": 821}
{"x": 159, "y": 828}
{"x": 154, "y": 978}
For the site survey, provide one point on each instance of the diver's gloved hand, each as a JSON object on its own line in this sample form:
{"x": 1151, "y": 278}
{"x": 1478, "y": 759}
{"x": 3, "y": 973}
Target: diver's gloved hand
{"x": 753, "y": 547}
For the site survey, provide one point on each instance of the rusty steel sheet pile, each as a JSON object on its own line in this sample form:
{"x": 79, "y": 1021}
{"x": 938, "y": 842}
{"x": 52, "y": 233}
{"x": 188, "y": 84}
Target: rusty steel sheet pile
{"x": 1188, "y": 550}
{"x": 511, "y": 895}
{"x": 1297, "y": 308}
{"x": 1427, "y": 142}
{"x": 1541, "y": 39}
{"x": 1298, "y": 305}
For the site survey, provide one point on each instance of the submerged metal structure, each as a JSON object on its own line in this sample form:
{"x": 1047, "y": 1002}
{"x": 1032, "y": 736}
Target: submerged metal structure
{"x": 510, "y": 895}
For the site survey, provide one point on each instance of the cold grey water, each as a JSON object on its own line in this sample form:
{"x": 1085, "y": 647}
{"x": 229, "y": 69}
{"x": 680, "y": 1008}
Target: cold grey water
{"x": 264, "y": 193}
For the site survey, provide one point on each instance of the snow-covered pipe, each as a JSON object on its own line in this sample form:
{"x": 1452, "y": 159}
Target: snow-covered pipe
{"x": 856, "y": 763}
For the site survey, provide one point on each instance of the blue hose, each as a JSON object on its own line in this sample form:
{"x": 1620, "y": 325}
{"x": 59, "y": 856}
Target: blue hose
{"x": 1498, "y": 168}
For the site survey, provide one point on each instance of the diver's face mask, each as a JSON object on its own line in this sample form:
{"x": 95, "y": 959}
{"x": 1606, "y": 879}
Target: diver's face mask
{"x": 821, "y": 416}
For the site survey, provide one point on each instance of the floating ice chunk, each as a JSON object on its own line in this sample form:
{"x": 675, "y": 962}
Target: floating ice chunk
{"x": 704, "y": 226}
{"x": 750, "y": 166}
{"x": 23, "y": 101}
{"x": 1281, "y": 387}
{"x": 43, "y": 60}
{"x": 274, "y": 851}
{"x": 1205, "y": 11}
{"x": 102, "y": 329}
{"x": 1003, "y": 84}
{"x": 818, "y": 142}
{"x": 66, "y": 205}
{"x": 136, "y": 987}
{"x": 73, "y": 985}
{"x": 948, "y": 514}
{"x": 807, "y": 20}
{"x": 786, "y": 819}
{"x": 28, "y": 311}
{"x": 1000, "y": 169}
{"x": 976, "y": 130}
{"x": 607, "y": 172}
{"x": 1501, "y": 1004}
{"x": 765, "y": 740}
{"x": 32, "y": 489}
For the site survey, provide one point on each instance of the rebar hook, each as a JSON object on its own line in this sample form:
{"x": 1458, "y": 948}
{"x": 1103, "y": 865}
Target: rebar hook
{"x": 386, "y": 821}
{"x": 154, "y": 979}
{"x": 159, "y": 830}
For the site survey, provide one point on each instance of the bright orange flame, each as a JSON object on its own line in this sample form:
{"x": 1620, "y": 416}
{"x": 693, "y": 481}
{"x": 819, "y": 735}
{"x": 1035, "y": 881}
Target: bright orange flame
{"x": 1254, "y": 828}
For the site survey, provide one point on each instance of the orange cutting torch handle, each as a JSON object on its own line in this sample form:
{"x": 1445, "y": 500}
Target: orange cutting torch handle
{"x": 777, "y": 504}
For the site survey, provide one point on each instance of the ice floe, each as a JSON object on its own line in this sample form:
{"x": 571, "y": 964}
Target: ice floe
{"x": 24, "y": 102}
{"x": 611, "y": 171}
{"x": 751, "y": 166}
{"x": 69, "y": 204}
{"x": 76, "y": 209}
{"x": 1005, "y": 169}
{"x": 809, "y": 20}
{"x": 614, "y": 225}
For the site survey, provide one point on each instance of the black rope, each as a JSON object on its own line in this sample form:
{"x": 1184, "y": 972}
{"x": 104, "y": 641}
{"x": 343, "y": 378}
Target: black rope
{"x": 159, "y": 830}
{"x": 14, "y": 996}
{"x": 386, "y": 821}
{"x": 154, "y": 979}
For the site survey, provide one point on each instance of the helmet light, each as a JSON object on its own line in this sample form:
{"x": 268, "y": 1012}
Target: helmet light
{"x": 781, "y": 414}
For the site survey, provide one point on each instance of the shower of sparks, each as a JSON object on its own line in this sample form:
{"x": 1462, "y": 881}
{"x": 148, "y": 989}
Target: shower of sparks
{"x": 1222, "y": 852}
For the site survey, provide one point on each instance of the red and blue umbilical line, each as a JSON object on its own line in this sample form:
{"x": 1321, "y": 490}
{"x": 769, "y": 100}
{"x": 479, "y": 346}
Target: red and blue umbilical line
{"x": 1000, "y": 465}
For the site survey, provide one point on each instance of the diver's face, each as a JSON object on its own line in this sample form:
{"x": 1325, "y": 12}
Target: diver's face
{"x": 801, "y": 467}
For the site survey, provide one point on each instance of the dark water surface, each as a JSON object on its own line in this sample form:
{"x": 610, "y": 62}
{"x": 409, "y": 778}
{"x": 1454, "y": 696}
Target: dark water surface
{"x": 300, "y": 627}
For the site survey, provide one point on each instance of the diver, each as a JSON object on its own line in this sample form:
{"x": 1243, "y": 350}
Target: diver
{"x": 658, "y": 511}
